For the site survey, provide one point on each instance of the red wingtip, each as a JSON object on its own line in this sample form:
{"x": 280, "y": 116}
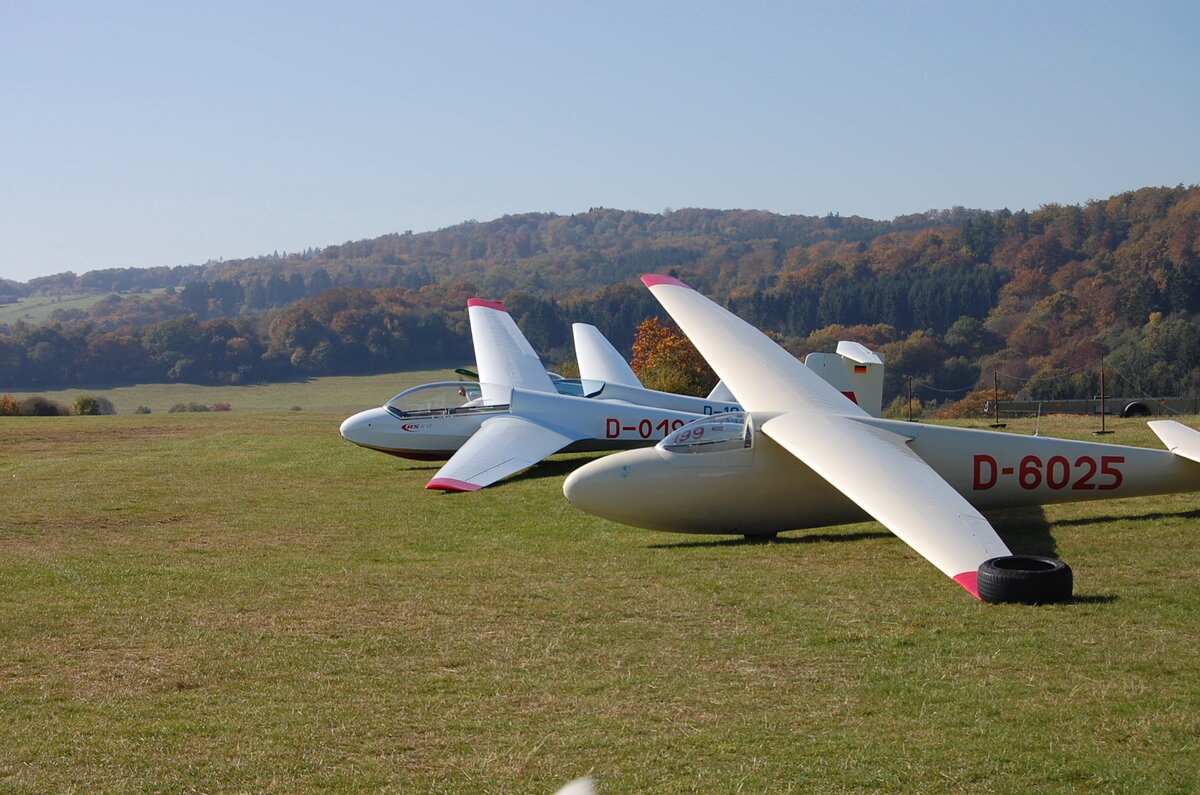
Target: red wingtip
{"x": 450, "y": 484}
{"x": 489, "y": 304}
{"x": 652, "y": 279}
{"x": 970, "y": 581}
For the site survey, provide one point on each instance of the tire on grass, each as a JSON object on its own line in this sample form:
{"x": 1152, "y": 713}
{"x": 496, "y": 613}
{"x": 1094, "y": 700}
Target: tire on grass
{"x": 1025, "y": 579}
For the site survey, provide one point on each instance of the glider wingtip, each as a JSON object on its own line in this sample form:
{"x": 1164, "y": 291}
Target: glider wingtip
{"x": 654, "y": 279}
{"x": 485, "y": 303}
{"x": 970, "y": 581}
{"x": 450, "y": 484}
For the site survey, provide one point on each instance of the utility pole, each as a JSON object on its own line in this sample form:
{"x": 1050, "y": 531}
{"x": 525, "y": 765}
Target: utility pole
{"x": 996, "y": 423}
{"x": 1103, "y": 405}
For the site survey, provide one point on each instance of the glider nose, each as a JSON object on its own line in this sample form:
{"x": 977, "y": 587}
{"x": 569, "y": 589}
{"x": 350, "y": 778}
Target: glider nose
{"x": 616, "y": 487}
{"x": 364, "y": 428}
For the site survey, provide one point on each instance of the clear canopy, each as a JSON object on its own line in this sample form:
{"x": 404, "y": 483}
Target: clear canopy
{"x": 727, "y": 431}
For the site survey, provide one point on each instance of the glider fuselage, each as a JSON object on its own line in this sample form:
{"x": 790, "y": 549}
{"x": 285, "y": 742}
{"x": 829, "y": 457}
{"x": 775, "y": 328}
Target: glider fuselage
{"x": 759, "y": 488}
{"x": 433, "y": 421}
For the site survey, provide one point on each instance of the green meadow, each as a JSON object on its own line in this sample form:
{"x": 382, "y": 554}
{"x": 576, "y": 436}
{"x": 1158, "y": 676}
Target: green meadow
{"x": 39, "y": 308}
{"x": 243, "y": 602}
{"x": 333, "y": 393}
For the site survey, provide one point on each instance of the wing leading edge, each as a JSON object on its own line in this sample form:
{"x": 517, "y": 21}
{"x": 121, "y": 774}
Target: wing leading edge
{"x": 879, "y": 471}
{"x": 501, "y": 447}
{"x": 873, "y": 467}
{"x": 759, "y": 373}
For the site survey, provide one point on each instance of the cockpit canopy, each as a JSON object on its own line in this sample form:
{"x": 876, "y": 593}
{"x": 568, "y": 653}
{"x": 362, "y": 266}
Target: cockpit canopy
{"x": 438, "y": 398}
{"x": 720, "y": 432}
{"x": 457, "y": 397}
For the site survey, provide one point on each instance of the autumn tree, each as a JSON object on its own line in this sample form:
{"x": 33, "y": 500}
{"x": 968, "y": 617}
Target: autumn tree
{"x": 666, "y": 361}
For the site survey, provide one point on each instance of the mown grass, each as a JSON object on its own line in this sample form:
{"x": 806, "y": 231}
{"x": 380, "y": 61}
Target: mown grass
{"x": 245, "y": 602}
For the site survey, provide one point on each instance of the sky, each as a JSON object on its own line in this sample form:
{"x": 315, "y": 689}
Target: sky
{"x": 144, "y": 134}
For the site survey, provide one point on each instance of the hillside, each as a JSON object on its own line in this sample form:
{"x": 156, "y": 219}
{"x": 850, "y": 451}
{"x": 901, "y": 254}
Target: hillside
{"x": 948, "y": 296}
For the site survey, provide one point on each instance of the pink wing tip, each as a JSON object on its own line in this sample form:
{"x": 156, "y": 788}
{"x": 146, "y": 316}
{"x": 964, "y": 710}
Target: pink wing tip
{"x": 970, "y": 581}
{"x": 652, "y": 279}
{"x": 450, "y": 484}
{"x": 489, "y": 304}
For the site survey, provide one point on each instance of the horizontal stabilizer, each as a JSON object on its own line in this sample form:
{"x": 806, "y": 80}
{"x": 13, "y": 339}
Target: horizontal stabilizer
{"x": 857, "y": 352}
{"x": 1179, "y": 439}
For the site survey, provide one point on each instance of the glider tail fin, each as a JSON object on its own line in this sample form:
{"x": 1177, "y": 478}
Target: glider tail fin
{"x": 854, "y": 370}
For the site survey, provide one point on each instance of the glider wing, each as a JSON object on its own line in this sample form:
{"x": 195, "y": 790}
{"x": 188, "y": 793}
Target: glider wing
{"x": 503, "y": 356}
{"x": 879, "y": 471}
{"x": 598, "y": 359}
{"x": 501, "y": 447}
{"x": 873, "y": 467}
{"x": 759, "y": 373}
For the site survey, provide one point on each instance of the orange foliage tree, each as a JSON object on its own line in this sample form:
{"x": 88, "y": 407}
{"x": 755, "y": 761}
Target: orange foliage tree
{"x": 665, "y": 360}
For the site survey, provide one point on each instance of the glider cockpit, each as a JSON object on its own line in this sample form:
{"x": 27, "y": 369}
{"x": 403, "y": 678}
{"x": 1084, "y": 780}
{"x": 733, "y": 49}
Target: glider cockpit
{"x": 444, "y": 398}
{"x": 719, "y": 433}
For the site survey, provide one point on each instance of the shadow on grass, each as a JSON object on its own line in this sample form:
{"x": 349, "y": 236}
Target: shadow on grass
{"x": 815, "y": 538}
{"x": 1025, "y": 531}
{"x": 1153, "y": 516}
{"x": 549, "y": 468}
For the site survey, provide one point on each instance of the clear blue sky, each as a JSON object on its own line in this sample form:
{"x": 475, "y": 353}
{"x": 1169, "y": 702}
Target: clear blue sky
{"x": 162, "y": 133}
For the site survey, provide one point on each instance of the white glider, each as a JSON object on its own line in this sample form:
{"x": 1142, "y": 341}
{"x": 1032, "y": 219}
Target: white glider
{"x": 517, "y": 414}
{"x": 802, "y": 456}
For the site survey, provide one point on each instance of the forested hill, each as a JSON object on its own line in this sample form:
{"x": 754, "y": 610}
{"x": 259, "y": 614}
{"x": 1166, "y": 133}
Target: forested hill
{"x": 949, "y": 297}
{"x": 541, "y": 253}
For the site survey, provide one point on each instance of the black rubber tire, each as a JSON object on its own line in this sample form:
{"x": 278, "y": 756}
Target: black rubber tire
{"x": 1025, "y": 579}
{"x": 1136, "y": 410}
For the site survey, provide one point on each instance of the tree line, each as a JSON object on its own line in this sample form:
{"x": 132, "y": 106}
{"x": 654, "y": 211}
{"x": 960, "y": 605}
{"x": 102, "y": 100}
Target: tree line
{"x": 948, "y": 297}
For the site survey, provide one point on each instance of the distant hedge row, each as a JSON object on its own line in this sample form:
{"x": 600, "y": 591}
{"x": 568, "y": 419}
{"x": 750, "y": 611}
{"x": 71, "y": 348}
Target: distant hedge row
{"x": 42, "y": 406}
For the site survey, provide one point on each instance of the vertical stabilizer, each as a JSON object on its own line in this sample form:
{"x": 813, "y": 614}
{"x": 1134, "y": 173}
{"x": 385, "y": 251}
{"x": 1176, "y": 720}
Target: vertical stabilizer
{"x": 855, "y": 371}
{"x": 598, "y": 359}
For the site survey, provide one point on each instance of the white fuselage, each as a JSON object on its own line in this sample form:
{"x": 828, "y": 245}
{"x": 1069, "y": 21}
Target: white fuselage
{"x": 614, "y": 416}
{"x": 761, "y": 489}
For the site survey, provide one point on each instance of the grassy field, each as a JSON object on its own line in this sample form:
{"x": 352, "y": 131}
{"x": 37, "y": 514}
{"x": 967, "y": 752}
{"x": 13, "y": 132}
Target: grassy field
{"x": 334, "y": 393}
{"x": 38, "y": 308}
{"x": 242, "y": 602}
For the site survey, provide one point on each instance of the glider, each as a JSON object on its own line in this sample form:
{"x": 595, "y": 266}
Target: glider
{"x": 517, "y": 414}
{"x": 802, "y": 456}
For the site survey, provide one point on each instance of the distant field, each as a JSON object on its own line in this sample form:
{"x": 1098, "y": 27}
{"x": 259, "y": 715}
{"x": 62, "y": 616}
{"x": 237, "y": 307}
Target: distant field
{"x": 243, "y": 602}
{"x": 37, "y": 309}
{"x": 349, "y": 393}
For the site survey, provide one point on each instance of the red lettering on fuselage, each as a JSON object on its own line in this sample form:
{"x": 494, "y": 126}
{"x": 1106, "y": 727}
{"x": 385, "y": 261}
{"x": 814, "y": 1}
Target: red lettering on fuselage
{"x": 645, "y": 428}
{"x": 1055, "y": 473}
{"x": 980, "y": 483}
